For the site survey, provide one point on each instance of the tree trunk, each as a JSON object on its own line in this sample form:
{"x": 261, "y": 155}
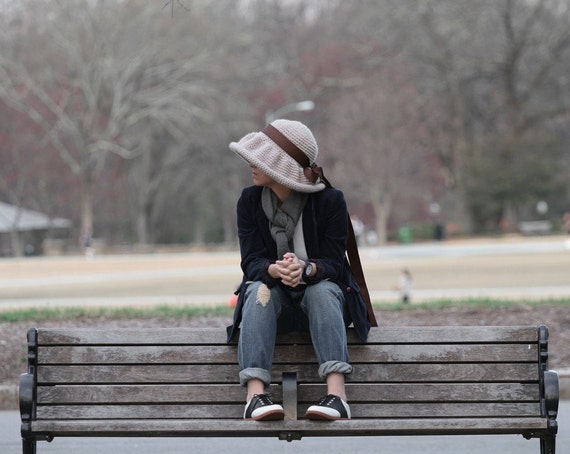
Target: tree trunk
{"x": 87, "y": 204}
{"x": 382, "y": 213}
{"x": 143, "y": 193}
{"x": 16, "y": 243}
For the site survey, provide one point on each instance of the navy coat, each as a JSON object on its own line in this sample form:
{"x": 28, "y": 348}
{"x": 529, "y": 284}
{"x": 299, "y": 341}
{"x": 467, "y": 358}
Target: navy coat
{"x": 325, "y": 230}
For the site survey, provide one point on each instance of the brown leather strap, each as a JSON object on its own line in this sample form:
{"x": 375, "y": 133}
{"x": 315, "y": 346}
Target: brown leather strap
{"x": 315, "y": 172}
{"x": 286, "y": 145}
{"x": 353, "y": 255}
{"x": 353, "y": 258}
{"x": 356, "y": 266}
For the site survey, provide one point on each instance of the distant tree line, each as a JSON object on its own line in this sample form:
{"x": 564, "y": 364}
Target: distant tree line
{"x": 117, "y": 114}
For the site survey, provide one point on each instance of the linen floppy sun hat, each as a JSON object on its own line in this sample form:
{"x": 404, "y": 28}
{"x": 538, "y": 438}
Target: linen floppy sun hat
{"x": 286, "y": 151}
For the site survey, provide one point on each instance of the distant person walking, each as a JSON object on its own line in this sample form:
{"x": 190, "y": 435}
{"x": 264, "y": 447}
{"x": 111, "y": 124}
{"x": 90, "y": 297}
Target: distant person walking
{"x": 405, "y": 285}
{"x": 86, "y": 244}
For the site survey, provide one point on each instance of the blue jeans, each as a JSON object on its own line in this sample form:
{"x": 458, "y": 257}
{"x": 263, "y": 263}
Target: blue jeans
{"x": 317, "y": 308}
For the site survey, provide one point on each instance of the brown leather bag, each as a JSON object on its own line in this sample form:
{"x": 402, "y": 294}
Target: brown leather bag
{"x": 356, "y": 266}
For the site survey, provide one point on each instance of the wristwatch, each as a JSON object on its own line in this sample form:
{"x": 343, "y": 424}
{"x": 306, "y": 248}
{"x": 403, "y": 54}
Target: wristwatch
{"x": 308, "y": 268}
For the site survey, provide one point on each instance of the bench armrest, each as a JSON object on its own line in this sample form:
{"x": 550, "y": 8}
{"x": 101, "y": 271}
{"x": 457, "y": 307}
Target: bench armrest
{"x": 551, "y": 393}
{"x": 26, "y": 393}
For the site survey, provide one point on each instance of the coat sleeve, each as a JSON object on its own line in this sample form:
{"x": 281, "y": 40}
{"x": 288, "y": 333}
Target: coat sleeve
{"x": 328, "y": 237}
{"x": 257, "y": 250}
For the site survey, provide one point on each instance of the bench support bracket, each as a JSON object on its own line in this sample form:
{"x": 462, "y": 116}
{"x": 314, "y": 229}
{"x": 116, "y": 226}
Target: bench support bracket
{"x": 289, "y": 385}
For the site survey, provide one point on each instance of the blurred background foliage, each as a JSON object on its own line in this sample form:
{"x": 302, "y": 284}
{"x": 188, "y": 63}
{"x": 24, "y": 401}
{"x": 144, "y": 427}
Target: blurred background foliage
{"x": 117, "y": 114}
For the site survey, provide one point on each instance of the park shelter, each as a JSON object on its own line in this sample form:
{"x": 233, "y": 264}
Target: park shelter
{"x": 23, "y": 231}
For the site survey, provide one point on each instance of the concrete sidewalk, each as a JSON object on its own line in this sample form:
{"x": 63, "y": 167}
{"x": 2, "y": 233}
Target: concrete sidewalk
{"x": 444, "y": 270}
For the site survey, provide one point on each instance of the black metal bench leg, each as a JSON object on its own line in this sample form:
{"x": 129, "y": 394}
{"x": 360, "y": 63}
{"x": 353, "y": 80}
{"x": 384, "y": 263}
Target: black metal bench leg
{"x": 548, "y": 445}
{"x": 28, "y": 446}
{"x": 290, "y": 395}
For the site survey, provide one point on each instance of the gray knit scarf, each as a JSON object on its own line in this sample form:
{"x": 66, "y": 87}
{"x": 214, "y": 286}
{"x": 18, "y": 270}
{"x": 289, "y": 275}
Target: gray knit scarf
{"x": 283, "y": 219}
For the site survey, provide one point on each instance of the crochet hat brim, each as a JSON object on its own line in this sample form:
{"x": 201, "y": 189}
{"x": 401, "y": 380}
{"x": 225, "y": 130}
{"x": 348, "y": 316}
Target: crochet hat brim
{"x": 260, "y": 151}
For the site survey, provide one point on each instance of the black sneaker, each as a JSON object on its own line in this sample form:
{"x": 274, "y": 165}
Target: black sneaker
{"x": 330, "y": 407}
{"x": 262, "y": 408}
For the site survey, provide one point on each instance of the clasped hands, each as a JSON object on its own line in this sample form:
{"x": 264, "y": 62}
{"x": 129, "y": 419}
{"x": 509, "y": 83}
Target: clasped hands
{"x": 289, "y": 269}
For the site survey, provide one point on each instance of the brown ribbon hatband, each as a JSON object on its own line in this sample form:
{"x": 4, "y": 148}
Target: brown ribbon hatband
{"x": 292, "y": 150}
{"x": 286, "y": 145}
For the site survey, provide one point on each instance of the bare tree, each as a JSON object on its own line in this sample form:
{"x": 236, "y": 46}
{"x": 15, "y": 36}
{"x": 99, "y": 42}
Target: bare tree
{"x": 370, "y": 117}
{"x": 28, "y": 178}
{"x": 143, "y": 98}
{"x": 375, "y": 137}
{"x": 98, "y": 79}
{"x": 500, "y": 68}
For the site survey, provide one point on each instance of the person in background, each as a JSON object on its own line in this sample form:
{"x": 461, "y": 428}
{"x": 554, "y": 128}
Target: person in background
{"x": 86, "y": 244}
{"x": 293, "y": 231}
{"x": 405, "y": 285}
{"x": 358, "y": 227}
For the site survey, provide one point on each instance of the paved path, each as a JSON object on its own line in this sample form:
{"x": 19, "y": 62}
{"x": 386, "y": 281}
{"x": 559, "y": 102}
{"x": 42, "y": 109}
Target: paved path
{"x": 479, "y": 444}
{"x": 506, "y": 268}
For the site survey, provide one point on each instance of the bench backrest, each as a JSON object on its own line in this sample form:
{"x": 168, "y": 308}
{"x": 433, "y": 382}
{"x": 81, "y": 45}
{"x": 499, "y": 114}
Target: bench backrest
{"x": 401, "y": 372}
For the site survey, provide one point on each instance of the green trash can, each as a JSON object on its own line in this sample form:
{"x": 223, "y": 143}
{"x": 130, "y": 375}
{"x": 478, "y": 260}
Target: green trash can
{"x": 405, "y": 234}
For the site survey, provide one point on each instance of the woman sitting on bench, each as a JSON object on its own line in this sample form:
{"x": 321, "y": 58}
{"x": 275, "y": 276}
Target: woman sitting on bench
{"x": 293, "y": 230}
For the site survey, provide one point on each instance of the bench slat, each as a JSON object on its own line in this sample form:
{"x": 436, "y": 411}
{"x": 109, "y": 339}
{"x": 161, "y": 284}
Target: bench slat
{"x": 283, "y": 354}
{"x": 383, "y": 334}
{"x": 446, "y": 410}
{"x": 385, "y": 410}
{"x": 446, "y": 372}
{"x": 240, "y": 428}
{"x": 453, "y": 392}
{"x": 213, "y": 373}
{"x": 427, "y": 353}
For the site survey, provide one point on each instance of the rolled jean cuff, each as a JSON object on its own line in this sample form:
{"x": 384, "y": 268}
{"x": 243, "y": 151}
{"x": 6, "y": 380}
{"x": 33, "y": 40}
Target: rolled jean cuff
{"x": 250, "y": 373}
{"x": 328, "y": 367}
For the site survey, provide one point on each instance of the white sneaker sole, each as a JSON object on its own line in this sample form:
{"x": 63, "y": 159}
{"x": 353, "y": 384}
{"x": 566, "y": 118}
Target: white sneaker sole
{"x": 320, "y": 413}
{"x": 326, "y": 413}
{"x": 268, "y": 413}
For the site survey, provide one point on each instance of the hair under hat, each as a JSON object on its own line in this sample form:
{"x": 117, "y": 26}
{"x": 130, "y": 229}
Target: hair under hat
{"x": 285, "y": 151}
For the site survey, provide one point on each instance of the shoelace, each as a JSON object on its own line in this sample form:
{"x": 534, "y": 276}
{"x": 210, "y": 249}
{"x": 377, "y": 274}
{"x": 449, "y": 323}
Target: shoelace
{"x": 264, "y": 399}
{"x": 327, "y": 400}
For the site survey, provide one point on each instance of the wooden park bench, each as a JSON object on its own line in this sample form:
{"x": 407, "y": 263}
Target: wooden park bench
{"x": 184, "y": 383}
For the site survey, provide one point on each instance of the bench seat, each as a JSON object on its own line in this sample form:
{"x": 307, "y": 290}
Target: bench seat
{"x": 184, "y": 383}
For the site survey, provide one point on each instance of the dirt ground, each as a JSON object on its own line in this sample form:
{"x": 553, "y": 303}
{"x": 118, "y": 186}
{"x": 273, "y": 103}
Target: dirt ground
{"x": 556, "y": 317}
